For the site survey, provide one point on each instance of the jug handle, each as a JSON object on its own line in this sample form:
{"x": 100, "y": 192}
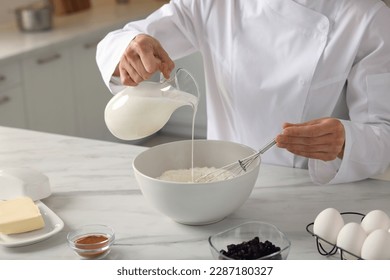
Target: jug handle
{"x": 172, "y": 81}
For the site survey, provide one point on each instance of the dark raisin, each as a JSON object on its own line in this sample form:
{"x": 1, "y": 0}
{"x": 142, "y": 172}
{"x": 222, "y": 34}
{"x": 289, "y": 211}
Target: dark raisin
{"x": 251, "y": 250}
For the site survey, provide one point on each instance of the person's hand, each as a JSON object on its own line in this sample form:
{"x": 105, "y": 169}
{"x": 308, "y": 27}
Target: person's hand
{"x": 141, "y": 59}
{"x": 318, "y": 139}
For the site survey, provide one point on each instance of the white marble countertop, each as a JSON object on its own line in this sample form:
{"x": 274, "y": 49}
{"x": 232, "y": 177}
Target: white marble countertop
{"x": 101, "y": 18}
{"x": 93, "y": 182}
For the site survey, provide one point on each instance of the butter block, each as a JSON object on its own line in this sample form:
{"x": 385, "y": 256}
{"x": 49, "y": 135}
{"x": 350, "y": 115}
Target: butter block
{"x": 19, "y": 215}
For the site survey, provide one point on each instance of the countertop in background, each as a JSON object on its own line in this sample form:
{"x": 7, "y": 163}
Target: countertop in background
{"x": 14, "y": 43}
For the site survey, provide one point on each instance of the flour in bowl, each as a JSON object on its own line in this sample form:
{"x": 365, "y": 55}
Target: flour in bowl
{"x": 189, "y": 175}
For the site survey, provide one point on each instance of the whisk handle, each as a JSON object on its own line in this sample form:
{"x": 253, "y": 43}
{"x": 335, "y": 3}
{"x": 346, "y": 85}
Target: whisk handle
{"x": 267, "y": 147}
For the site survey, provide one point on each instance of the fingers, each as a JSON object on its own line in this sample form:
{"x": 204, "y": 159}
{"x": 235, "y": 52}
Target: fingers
{"x": 166, "y": 64}
{"x": 129, "y": 76}
{"x": 305, "y": 141}
{"x": 135, "y": 60}
{"x": 319, "y": 139}
{"x": 141, "y": 59}
{"x": 324, "y": 152}
{"x": 314, "y": 128}
{"x": 144, "y": 55}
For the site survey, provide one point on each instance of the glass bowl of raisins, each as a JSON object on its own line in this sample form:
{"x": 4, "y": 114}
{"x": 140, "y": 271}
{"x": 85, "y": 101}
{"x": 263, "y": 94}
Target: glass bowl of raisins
{"x": 250, "y": 241}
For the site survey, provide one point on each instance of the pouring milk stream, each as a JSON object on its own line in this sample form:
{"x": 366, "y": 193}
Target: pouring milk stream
{"x": 137, "y": 112}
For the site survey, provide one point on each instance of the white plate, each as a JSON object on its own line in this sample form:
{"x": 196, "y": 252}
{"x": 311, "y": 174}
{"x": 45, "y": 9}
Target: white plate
{"x": 53, "y": 224}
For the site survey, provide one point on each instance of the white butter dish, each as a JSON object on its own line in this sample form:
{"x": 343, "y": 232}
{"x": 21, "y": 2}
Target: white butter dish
{"x": 53, "y": 225}
{"x": 16, "y": 182}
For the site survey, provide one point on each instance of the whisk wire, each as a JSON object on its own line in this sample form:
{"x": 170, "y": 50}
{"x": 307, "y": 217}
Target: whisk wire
{"x": 234, "y": 169}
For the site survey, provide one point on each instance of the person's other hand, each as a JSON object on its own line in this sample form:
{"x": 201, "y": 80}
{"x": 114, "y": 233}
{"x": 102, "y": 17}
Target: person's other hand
{"x": 141, "y": 59}
{"x": 321, "y": 139}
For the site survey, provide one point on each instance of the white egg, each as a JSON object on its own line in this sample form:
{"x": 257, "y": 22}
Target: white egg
{"x": 375, "y": 219}
{"x": 351, "y": 238}
{"x": 327, "y": 224}
{"x": 377, "y": 245}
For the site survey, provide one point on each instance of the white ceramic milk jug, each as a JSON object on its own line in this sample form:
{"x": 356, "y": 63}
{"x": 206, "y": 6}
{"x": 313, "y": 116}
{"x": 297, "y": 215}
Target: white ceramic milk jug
{"x": 137, "y": 112}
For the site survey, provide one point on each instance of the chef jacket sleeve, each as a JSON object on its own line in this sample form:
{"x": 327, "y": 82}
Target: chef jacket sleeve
{"x": 172, "y": 25}
{"x": 367, "y": 142}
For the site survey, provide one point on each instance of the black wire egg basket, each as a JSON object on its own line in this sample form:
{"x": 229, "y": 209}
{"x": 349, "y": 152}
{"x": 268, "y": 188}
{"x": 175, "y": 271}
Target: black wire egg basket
{"x": 333, "y": 247}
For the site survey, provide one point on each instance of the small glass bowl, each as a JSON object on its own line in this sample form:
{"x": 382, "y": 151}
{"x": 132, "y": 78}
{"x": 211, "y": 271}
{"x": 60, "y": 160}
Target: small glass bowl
{"x": 247, "y": 231}
{"x": 91, "y": 241}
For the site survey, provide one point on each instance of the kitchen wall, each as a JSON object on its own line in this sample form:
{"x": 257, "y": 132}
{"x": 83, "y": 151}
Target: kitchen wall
{"x": 7, "y": 8}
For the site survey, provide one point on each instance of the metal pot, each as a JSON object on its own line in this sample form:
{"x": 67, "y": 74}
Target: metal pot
{"x": 35, "y": 17}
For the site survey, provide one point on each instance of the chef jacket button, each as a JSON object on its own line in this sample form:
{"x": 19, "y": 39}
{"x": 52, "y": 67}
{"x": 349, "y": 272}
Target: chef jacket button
{"x": 301, "y": 82}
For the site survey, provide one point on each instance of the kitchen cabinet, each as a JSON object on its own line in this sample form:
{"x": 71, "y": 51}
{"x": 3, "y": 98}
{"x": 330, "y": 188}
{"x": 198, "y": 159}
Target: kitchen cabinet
{"x": 63, "y": 91}
{"x": 12, "y": 111}
{"x": 49, "y": 92}
{"x": 91, "y": 94}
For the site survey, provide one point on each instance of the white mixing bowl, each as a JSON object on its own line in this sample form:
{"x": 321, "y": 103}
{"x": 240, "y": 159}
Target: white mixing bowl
{"x": 194, "y": 203}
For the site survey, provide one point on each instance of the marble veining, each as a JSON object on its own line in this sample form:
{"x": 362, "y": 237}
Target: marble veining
{"x": 93, "y": 182}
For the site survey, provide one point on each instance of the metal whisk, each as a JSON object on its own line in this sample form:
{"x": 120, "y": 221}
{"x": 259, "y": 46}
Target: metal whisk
{"x": 233, "y": 169}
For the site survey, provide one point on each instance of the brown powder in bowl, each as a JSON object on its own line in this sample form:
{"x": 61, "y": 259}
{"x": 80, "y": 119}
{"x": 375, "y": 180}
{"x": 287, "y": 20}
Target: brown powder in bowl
{"x": 92, "y": 242}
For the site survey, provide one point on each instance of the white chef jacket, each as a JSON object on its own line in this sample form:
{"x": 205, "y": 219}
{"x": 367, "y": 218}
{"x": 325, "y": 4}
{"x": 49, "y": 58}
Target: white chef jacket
{"x": 273, "y": 61}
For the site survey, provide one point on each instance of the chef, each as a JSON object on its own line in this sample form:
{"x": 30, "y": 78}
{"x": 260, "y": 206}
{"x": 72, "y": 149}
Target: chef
{"x": 315, "y": 74}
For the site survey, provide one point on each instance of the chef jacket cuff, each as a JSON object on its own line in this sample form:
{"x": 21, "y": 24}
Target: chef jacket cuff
{"x": 115, "y": 84}
{"x": 334, "y": 171}
{"x": 109, "y": 56}
{"x": 323, "y": 172}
